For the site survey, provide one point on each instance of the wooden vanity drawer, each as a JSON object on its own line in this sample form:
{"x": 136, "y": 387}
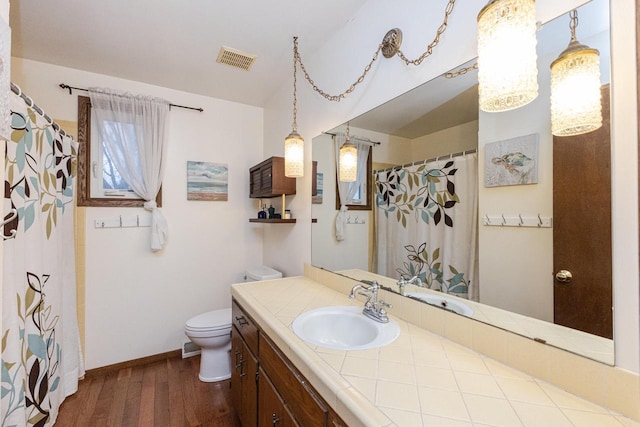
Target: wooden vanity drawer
{"x": 308, "y": 409}
{"x": 245, "y": 325}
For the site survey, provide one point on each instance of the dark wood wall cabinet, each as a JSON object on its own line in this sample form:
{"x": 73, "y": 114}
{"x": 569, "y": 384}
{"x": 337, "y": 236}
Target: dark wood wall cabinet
{"x": 266, "y": 389}
{"x": 266, "y": 179}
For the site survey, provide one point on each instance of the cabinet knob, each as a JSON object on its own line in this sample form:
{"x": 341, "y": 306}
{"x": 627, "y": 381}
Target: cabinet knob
{"x": 276, "y": 420}
{"x": 241, "y": 320}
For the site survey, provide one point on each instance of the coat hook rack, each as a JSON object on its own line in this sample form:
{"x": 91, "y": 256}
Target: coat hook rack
{"x": 517, "y": 220}
{"x": 356, "y": 220}
{"x": 122, "y": 221}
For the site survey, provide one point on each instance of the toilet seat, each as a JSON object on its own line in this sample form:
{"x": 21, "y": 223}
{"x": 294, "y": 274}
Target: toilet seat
{"x": 211, "y": 321}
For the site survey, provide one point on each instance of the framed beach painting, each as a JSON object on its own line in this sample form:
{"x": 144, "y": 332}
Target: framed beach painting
{"x": 207, "y": 181}
{"x": 317, "y": 199}
{"x": 512, "y": 161}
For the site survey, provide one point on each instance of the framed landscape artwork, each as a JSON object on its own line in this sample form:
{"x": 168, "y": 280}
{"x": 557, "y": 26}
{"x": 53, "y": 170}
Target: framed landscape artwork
{"x": 207, "y": 181}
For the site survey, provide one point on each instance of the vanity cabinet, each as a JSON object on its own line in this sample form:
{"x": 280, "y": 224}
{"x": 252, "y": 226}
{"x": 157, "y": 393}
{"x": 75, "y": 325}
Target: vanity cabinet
{"x": 271, "y": 407}
{"x": 293, "y": 388}
{"x": 244, "y": 367}
{"x": 267, "y": 179}
{"x": 277, "y": 394}
{"x": 244, "y": 387}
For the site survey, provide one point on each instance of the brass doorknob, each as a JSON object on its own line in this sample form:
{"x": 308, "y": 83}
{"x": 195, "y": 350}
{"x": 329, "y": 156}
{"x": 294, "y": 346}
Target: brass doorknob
{"x": 564, "y": 276}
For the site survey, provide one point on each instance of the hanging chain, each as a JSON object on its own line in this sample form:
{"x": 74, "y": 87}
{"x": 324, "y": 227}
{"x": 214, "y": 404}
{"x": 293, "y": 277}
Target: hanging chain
{"x": 573, "y": 23}
{"x": 330, "y": 97}
{"x": 337, "y": 98}
{"x": 461, "y": 71}
{"x": 443, "y": 27}
{"x": 347, "y": 132}
{"x": 295, "y": 88}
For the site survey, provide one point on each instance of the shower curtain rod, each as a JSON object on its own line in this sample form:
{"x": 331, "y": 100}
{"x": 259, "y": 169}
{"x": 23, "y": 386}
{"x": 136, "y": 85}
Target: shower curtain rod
{"x": 16, "y": 89}
{"x": 361, "y": 139}
{"x": 450, "y": 156}
{"x": 71, "y": 88}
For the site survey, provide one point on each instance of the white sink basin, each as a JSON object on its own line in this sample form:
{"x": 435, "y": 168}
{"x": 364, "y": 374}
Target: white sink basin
{"x": 444, "y": 302}
{"x": 344, "y": 328}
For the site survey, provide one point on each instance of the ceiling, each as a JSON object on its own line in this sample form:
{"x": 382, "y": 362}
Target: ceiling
{"x": 174, "y": 43}
{"x": 438, "y": 104}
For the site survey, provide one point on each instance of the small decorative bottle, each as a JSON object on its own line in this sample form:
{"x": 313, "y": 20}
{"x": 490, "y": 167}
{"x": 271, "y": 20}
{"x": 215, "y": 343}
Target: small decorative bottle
{"x": 262, "y": 214}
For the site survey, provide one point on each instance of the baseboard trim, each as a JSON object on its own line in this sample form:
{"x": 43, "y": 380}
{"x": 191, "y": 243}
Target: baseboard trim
{"x": 103, "y": 370}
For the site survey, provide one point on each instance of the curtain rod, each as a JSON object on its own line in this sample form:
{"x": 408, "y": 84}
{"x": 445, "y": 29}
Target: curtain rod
{"x": 450, "y": 156}
{"x": 361, "y": 139}
{"x": 71, "y": 88}
{"x": 16, "y": 89}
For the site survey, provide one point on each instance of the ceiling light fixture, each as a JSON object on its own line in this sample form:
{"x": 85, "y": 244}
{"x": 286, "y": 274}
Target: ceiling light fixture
{"x": 507, "y": 60}
{"x": 348, "y": 171}
{"x": 576, "y": 106}
{"x": 293, "y": 143}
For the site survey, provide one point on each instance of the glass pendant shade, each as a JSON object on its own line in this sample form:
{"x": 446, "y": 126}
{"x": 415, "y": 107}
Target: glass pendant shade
{"x": 294, "y": 155}
{"x": 507, "y": 59}
{"x": 348, "y": 162}
{"x": 576, "y": 106}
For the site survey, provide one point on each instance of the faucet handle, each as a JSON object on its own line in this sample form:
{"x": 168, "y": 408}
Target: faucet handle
{"x": 385, "y": 304}
{"x": 365, "y": 294}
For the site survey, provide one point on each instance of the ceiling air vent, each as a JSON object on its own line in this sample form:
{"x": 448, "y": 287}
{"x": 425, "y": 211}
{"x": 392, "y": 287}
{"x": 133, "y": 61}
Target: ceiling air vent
{"x": 235, "y": 58}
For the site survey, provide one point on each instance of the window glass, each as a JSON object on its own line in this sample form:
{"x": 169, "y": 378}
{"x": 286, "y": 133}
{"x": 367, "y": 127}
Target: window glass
{"x": 99, "y": 182}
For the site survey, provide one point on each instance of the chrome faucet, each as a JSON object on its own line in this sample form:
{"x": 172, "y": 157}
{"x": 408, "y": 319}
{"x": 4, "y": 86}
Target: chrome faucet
{"x": 373, "y": 308}
{"x": 402, "y": 282}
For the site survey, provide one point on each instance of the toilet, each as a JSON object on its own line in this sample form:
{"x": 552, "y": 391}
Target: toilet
{"x": 211, "y": 331}
{"x": 261, "y": 273}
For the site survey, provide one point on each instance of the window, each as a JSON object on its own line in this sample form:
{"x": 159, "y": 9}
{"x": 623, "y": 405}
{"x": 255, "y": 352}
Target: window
{"x": 362, "y": 199}
{"x": 99, "y": 183}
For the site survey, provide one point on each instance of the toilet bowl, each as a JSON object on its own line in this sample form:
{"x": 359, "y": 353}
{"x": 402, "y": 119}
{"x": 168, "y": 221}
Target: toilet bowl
{"x": 211, "y": 331}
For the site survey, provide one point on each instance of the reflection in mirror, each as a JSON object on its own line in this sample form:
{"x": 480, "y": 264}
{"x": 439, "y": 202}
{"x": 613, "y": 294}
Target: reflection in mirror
{"x": 504, "y": 275}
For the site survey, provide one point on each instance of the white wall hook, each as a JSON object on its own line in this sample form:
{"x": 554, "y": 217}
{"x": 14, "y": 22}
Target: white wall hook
{"x": 517, "y": 220}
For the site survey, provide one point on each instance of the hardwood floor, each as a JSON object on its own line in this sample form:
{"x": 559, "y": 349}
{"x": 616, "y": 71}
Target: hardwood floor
{"x": 158, "y": 394}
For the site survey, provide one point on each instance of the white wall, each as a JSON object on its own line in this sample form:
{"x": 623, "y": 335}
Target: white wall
{"x": 508, "y": 279}
{"x": 4, "y": 10}
{"x": 352, "y": 48}
{"x": 332, "y": 254}
{"x": 523, "y": 284}
{"x": 452, "y": 140}
{"x": 137, "y": 301}
{"x": 353, "y": 251}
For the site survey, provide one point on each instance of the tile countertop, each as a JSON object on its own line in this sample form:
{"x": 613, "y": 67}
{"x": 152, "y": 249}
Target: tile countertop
{"x": 420, "y": 379}
{"x": 592, "y": 346}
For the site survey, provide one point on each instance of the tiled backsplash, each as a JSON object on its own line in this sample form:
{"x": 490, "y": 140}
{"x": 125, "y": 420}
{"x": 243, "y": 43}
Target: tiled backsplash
{"x": 604, "y": 385}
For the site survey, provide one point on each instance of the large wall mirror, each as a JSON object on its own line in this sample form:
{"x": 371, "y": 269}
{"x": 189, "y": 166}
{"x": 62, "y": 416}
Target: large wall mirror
{"x": 526, "y": 198}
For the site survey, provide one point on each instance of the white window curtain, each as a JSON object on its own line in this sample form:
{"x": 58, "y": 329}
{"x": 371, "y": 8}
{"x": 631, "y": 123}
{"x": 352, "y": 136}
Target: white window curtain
{"x": 134, "y": 131}
{"x": 348, "y": 190}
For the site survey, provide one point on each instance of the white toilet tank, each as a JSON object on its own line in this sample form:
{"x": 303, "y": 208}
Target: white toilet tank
{"x": 261, "y": 273}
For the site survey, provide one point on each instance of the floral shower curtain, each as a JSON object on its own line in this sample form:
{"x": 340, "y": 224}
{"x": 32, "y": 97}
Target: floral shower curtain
{"x": 41, "y": 360}
{"x": 427, "y": 224}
